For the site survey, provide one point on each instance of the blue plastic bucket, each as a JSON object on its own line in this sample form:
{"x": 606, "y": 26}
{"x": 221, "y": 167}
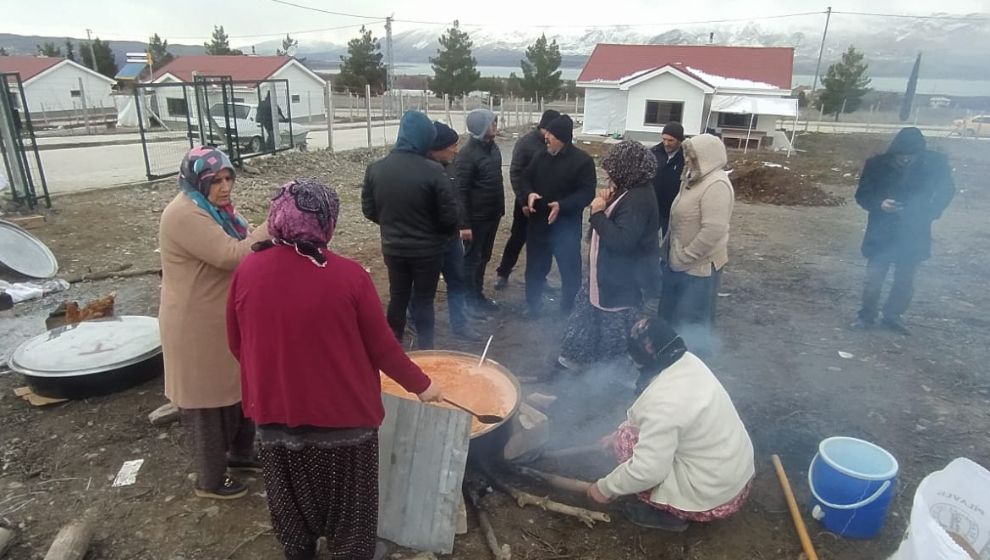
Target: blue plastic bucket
{"x": 852, "y": 483}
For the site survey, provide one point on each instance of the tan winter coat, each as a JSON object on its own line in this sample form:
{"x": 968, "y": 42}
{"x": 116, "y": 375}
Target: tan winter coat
{"x": 198, "y": 259}
{"x": 699, "y": 218}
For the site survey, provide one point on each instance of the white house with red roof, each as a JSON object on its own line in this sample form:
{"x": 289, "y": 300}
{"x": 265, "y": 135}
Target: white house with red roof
{"x": 305, "y": 96}
{"x": 52, "y": 84}
{"x": 634, "y": 90}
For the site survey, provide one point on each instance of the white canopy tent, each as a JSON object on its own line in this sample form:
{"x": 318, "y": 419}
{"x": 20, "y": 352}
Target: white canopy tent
{"x": 753, "y": 105}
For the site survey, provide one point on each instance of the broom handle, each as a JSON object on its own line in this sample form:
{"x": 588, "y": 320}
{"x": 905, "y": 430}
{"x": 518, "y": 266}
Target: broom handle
{"x": 802, "y": 531}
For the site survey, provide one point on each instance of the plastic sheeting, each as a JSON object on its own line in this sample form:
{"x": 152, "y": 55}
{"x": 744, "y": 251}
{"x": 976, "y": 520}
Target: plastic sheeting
{"x": 604, "y": 111}
{"x": 755, "y": 105}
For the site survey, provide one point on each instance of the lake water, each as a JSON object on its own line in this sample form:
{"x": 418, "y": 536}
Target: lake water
{"x": 948, "y": 87}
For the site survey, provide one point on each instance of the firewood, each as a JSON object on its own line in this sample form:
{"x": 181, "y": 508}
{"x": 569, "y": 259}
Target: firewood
{"x": 6, "y": 538}
{"x": 502, "y": 552}
{"x": 71, "y": 542}
{"x": 557, "y": 481}
{"x": 523, "y": 499}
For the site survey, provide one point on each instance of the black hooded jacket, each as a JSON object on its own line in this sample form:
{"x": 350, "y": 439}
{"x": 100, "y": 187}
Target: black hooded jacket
{"x": 923, "y": 186}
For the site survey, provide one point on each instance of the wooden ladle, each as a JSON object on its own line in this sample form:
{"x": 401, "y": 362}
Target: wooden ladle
{"x": 483, "y": 418}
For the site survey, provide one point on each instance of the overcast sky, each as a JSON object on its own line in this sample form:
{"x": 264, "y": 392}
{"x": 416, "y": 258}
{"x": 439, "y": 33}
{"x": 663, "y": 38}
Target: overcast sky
{"x": 254, "y": 21}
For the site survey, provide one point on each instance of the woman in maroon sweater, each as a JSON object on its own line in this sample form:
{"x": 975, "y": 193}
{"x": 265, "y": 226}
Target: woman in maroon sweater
{"x": 307, "y": 327}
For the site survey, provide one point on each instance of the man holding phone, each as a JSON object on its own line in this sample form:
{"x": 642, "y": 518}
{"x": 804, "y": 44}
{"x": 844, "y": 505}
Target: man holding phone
{"x": 904, "y": 190}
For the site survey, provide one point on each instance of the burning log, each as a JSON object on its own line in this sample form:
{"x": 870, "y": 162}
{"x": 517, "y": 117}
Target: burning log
{"x": 557, "y": 481}
{"x": 502, "y": 552}
{"x": 568, "y": 452}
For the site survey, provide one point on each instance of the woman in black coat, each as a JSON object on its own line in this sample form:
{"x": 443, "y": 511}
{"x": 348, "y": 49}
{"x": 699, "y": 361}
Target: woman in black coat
{"x": 624, "y": 259}
{"x": 904, "y": 190}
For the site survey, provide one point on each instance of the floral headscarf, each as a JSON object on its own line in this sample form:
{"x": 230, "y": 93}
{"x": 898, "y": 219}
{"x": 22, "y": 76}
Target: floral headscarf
{"x": 304, "y": 214}
{"x": 196, "y": 173}
{"x": 629, "y": 164}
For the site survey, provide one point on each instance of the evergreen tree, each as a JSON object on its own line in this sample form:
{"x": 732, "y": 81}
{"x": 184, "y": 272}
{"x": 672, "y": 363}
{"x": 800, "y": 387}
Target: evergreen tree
{"x": 3, "y": 52}
{"x": 70, "y": 50}
{"x": 845, "y": 84}
{"x": 105, "y": 63}
{"x": 541, "y": 76}
{"x": 49, "y": 49}
{"x": 158, "y": 48}
{"x": 454, "y": 69}
{"x": 363, "y": 65}
{"x": 220, "y": 43}
{"x": 287, "y": 44}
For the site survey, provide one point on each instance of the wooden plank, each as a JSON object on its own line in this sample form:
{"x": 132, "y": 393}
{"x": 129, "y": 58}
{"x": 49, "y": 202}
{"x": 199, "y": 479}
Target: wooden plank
{"x": 27, "y": 222}
{"x": 422, "y": 456}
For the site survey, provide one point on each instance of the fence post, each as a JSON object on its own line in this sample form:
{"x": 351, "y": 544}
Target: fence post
{"x": 821, "y": 115}
{"x": 386, "y": 98}
{"x": 577, "y": 100}
{"x": 402, "y": 105}
{"x": 426, "y": 103}
{"x": 85, "y": 108}
{"x": 367, "y": 106}
{"x": 328, "y": 92}
{"x": 916, "y": 111}
{"x": 446, "y": 106}
{"x": 309, "y": 103}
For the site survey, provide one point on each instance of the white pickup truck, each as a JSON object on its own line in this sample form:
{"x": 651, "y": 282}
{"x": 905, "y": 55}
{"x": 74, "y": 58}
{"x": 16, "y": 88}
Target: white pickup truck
{"x": 249, "y": 132}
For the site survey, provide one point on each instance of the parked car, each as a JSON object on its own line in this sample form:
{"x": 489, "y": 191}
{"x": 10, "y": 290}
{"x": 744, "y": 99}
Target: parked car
{"x": 250, "y": 133}
{"x": 977, "y": 126}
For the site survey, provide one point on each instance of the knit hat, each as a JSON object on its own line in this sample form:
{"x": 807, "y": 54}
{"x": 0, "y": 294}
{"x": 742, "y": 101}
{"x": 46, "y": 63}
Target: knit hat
{"x": 908, "y": 141}
{"x": 479, "y": 121}
{"x": 629, "y": 164}
{"x": 562, "y": 128}
{"x": 548, "y": 116}
{"x": 675, "y": 129}
{"x": 446, "y": 136}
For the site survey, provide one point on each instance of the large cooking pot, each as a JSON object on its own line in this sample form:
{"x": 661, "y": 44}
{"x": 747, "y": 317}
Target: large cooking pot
{"x": 91, "y": 358}
{"x": 488, "y": 389}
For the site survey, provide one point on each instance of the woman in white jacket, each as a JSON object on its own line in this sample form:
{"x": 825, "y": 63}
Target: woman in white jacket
{"x": 683, "y": 451}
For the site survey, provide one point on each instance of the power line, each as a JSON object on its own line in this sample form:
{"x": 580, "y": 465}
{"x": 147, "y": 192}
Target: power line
{"x": 615, "y": 25}
{"x": 908, "y": 16}
{"x": 326, "y": 11}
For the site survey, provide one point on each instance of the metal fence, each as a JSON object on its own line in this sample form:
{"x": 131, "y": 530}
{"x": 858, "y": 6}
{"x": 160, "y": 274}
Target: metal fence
{"x": 239, "y": 117}
{"x": 21, "y": 160}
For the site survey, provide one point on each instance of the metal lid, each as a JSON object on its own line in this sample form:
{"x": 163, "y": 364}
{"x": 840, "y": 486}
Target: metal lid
{"x": 24, "y": 253}
{"x": 89, "y": 347}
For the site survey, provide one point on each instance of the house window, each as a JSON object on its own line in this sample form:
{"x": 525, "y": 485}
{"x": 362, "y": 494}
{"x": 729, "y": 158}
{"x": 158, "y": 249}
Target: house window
{"x": 177, "y": 107}
{"x": 295, "y": 99}
{"x": 75, "y": 93}
{"x": 732, "y": 120}
{"x": 660, "y": 113}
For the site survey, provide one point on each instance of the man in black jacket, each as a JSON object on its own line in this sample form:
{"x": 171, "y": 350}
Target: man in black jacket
{"x": 670, "y": 163}
{"x": 532, "y": 144}
{"x": 557, "y": 186}
{"x": 904, "y": 190}
{"x": 412, "y": 201}
{"x": 482, "y": 190}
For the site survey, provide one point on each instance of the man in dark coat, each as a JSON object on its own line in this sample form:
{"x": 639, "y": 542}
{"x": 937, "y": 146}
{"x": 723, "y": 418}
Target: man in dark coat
{"x": 482, "y": 190}
{"x": 904, "y": 190}
{"x": 670, "y": 164}
{"x": 557, "y": 186}
{"x": 411, "y": 199}
{"x": 532, "y": 144}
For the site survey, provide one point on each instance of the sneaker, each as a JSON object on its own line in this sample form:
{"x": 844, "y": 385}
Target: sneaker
{"x": 247, "y": 465}
{"x": 501, "y": 283}
{"x": 644, "y": 515}
{"x": 861, "y": 325}
{"x": 896, "y": 325}
{"x": 467, "y": 333}
{"x": 484, "y": 304}
{"x": 231, "y": 489}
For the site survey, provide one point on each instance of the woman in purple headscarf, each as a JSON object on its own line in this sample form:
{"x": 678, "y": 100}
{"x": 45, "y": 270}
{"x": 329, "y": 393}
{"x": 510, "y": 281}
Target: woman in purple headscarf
{"x": 202, "y": 240}
{"x": 308, "y": 329}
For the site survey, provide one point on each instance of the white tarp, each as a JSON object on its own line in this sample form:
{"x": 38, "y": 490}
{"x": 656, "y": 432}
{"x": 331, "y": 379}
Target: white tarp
{"x": 604, "y": 111}
{"x": 755, "y": 105}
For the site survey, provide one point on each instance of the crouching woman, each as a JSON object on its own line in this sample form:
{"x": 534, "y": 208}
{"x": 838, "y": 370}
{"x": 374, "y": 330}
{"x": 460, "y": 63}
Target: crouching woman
{"x": 683, "y": 451}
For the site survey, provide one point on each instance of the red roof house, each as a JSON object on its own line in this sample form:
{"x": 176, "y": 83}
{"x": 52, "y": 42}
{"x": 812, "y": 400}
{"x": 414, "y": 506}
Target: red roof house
{"x": 52, "y": 84}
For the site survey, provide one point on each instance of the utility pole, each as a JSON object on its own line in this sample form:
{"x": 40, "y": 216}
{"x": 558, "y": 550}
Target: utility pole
{"x": 92, "y": 53}
{"x": 389, "y": 62}
{"x": 821, "y": 51}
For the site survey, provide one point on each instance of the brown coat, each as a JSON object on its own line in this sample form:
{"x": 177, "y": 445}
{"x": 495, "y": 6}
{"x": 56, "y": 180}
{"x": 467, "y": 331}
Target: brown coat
{"x": 699, "y": 218}
{"x": 198, "y": 259}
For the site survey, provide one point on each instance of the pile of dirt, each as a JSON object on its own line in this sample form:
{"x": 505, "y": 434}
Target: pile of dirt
{"x": 779, "y": 185}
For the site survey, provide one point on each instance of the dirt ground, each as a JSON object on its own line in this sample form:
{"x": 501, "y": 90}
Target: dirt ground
{"x": 791, "y": 288}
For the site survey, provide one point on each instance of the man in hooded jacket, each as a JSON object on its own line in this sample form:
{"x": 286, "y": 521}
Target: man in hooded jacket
{"x": 410, "y": 198}
{"x": 904, "y": 190}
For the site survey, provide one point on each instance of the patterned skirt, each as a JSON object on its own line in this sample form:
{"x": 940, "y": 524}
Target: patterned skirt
{"x": 623, "y": 441}
{"x": 593, "y": 335}
{"x": 327, "y": 491}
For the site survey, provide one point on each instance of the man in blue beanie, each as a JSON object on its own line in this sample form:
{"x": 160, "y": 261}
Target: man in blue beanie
{"x": 411, "y": 199}
{"x": 904, "y": 190}
{"x": 479, "y": 180}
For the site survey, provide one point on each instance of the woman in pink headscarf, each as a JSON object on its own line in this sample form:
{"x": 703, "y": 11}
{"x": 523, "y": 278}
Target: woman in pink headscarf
{"x": 308, "y": 329}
